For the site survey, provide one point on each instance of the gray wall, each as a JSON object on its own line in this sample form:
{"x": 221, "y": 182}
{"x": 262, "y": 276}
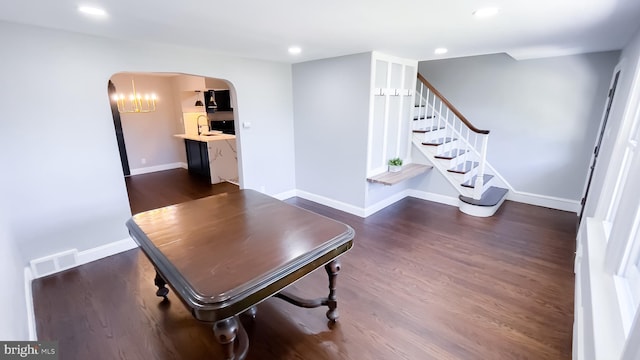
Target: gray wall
{"x": 64, "y": 174}
{"x": 433, "y": 181}
{"x": 331, "y": 110}
{"x": 543, "y": 114}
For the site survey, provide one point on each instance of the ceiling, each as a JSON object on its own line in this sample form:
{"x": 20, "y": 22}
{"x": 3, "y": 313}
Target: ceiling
{"x": 328, "y": 28}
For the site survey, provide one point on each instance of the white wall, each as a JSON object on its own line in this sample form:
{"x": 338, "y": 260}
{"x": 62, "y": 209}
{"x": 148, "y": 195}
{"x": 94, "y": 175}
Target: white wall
{"x": 601, "y": 325}
{"x": 331, "y": 108}
{"x": 543, "y": 114}
{"x": 149, "y": 136}
{"x": 13, "y": 310}
{"x": 628, "y": 65}
{"x": 64, "y": 173}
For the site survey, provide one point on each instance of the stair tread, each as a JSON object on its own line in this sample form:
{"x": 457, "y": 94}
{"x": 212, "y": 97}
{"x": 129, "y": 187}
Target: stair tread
{"x": 422, "y": 117}
{"x": 439, "y": 141}
{"x": 426, "y": 130}
{"x": 491, "y": 197}
{"x": 472, "y": 182}
{"x": 449, "y": 155}
{"x": 463, "y": 168}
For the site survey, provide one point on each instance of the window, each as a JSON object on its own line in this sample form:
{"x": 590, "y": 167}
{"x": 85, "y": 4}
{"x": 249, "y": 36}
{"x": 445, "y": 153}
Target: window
{"x": 628, "y": 276}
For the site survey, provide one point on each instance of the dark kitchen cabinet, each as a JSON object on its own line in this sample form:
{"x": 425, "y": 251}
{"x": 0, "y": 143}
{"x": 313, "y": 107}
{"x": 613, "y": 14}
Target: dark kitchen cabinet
{"x": 222, "y": 101}
{"x": 198, "y": 158}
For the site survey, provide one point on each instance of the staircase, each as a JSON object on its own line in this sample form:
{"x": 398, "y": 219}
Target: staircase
{"x": 457, "y": 149}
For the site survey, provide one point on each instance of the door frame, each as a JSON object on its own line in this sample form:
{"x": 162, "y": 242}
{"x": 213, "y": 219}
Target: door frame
{"x": 613, "y": 84}
{"x": 117, "y": 124}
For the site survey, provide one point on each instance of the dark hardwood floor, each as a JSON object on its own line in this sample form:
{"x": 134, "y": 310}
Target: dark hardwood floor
{"x": 162, "y": 188}
{"x": 423, "y": 281}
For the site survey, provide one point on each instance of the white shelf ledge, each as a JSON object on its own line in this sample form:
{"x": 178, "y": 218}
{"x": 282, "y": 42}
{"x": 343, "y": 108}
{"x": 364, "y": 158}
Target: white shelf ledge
{"x": 408, "y": 171}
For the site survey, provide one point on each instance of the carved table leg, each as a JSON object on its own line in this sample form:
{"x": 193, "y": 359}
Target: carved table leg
{"x": 226, "y": 331}
{"x": 161, "y": 284}
{"x": 251, "y": 312}
{"x": 332, "y": 269}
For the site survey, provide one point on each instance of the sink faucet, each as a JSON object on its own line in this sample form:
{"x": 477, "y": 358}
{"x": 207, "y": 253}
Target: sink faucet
{"x": 206, "y": 125}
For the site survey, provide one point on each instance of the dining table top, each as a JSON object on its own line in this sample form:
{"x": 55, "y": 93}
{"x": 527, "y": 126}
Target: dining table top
{"x": 222, "y": 248}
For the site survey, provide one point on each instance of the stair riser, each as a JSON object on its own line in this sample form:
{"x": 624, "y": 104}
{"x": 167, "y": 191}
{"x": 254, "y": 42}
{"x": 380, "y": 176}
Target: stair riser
{"x": 460, "y": 178}
{"x": 441, "y": 149}
{"x": 466, "y": 191}
{"x": 448, "y": 164}
{"x": 421, "y": 124}
{"x": 479, "y": 211}
{"x": 485, "y": 186}
{"x": 435, "y": 134}
{"x": 457, "y": 179}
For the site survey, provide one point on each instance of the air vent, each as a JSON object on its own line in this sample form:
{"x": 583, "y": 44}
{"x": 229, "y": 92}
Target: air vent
{"x": 54, "y": 263}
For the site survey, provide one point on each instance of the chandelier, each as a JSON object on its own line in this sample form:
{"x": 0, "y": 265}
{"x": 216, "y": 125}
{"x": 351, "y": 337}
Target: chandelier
{"x": 136, "y": 103}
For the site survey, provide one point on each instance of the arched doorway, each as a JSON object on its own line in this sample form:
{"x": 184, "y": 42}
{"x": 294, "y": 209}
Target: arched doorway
{"x": 170, "y": 145}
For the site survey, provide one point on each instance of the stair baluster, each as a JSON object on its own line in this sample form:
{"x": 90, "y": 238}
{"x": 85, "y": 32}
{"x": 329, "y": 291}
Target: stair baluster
{"x": 479, "y": 183}
{"x": 467, "y": 156}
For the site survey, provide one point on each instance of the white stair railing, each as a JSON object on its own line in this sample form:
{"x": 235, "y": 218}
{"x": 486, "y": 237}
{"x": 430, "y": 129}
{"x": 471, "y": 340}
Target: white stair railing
{"x": 446, "y": 121}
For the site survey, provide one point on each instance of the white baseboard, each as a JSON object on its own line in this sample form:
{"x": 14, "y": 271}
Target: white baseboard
{"x": 150, "y": 169}
{"x": 544, "y": 201}
{"x": 286, "y": 194}
{"x": 370, "y": 210}
{"x": 106, "y": 250}
{"x": 438, "y": 198}
{"x": 28, "y": 294}
{"x": 338, "y": 205}
{"x": 83, "y": 257}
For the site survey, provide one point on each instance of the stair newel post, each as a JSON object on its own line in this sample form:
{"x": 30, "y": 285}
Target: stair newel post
{"x": 479, "y": 183}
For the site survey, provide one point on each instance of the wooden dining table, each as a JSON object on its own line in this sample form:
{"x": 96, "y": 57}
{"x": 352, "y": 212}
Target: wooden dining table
{"x": 224, "y": 254}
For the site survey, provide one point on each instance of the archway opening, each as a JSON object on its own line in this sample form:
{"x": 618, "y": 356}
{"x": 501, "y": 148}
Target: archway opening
{"x": 176, "y": 136}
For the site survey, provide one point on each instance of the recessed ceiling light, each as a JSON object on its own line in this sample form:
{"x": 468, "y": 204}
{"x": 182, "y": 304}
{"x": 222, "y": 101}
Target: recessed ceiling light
{"x": 486, "y": 12}
{"x": 92, "y": 10}
{"x": 440, "y": 51}
{"x": 295, "y": 50}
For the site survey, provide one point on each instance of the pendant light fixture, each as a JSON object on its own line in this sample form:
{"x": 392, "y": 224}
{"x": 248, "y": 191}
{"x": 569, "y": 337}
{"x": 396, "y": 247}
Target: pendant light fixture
{"x": 199, "y": 102}
{"x": 212, "y": 105}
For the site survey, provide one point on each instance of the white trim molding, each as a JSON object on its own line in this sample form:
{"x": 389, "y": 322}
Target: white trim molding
{"x": 150, "y": 169}
{"x": 103, "y": 251}
{"x": 83, "y": 257}
{"x": 28, "y": 294}
{"x": 544, "y": 201}
{"x": 598, "y": 297}
{"x": 286, "y": 194}
{"x": 372, "y": 209}
{"x": 339, "y": 205}
{"x": 80, "y": 257}
{"x": 429, "y": 196}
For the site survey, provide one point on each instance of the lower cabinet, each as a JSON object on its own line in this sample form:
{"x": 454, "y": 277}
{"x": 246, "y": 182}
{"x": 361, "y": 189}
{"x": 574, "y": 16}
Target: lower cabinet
{"x": 198, "y": 158}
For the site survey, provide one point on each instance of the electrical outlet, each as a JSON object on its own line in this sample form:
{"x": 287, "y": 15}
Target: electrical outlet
{"x": 143, "y": 161}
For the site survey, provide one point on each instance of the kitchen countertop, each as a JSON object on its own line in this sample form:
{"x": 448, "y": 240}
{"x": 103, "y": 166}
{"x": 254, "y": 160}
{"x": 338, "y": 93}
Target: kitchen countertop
{"x": 206, "y": 138}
